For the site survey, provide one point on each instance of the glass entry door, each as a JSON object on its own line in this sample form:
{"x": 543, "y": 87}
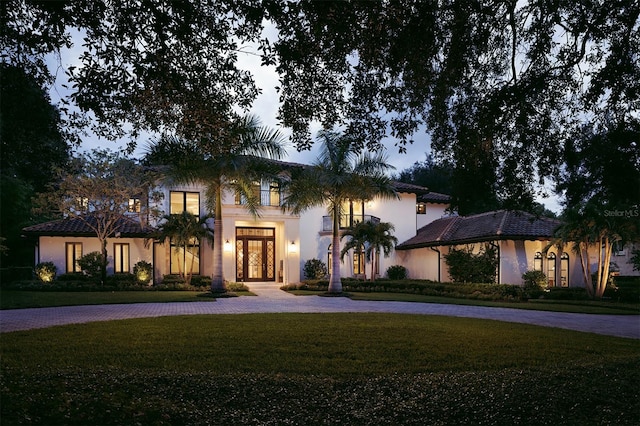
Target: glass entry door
{"x": 255, "y": 254}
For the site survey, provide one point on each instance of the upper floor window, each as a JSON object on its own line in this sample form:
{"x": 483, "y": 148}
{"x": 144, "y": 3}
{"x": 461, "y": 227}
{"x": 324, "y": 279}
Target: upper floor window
{"x": 421, "y": 208}
{"x": 265, "y": 194}
{"x": 182, "y": 201}
{"x": 134, "y": 205}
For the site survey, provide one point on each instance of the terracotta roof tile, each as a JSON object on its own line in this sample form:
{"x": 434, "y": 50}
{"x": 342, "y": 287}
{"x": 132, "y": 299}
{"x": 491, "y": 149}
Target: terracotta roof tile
{"x": 128, "y": 227}
{"x": 495, "y": 225}
{"x": 434, "y": 197}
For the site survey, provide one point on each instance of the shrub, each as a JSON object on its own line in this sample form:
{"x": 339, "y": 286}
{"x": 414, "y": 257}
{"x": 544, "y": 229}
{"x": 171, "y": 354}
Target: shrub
{"x": 143, "y": 272}
{"x": 397, "y": 272}
{"x": 46, "y": 271}
{"x": 91, "y": 263}
{"x": 315, "y": 269}
{"x": 234, "y": 286}
{"x": 534, "y": 280}
{"x": 468, "y": 267}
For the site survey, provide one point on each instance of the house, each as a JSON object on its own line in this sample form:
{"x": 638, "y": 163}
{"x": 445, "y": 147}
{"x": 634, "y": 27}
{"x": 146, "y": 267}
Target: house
{"x": 523, "y": 242}
{"x": 270, "y": 248}
{"x": 275, "y": 246}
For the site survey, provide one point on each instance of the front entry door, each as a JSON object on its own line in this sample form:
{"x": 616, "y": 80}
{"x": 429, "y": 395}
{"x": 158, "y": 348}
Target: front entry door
{"x": 255, "y": 254}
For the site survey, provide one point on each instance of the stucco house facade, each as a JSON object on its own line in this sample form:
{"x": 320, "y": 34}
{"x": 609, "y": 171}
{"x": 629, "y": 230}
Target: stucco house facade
{"x": 274, "y": 247}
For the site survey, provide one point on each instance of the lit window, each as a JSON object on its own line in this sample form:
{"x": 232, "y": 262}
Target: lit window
{"x": 185, "y": 202}
{"x": 421, "y": 208}
{"x": 537, "y": 262}
{"x": 185, "y": 260}
{"x": 120, "y": 258}
{"x": 551, "y": 269}
{"x": 564, "y": 270}
{"x": 134, "y": 205}
{"x": 73, "y": 253}
{"x": 358, "y": 262}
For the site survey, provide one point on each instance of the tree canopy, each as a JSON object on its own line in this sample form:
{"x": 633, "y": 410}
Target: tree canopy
{"x": 508, "y": 79}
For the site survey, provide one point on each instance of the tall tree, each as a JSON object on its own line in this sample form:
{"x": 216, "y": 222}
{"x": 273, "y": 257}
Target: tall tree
{"x": 601, "y": 184}
{"x": 158, "y": 65}
{"x": 96, "y": 189}
{"x": 514, "y": 76}
{"x": 427, "y": 173}
{"x": 337, "y": 176}
{"x": 32, "y": 145}
{"x": 233, "y": 161}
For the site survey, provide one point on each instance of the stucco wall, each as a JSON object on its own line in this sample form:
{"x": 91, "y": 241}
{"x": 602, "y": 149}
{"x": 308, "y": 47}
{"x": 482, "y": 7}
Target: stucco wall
{"x": 52, "y": 249}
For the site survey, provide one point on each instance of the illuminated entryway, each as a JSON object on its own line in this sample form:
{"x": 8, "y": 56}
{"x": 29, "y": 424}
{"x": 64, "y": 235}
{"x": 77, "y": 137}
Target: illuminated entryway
{"x": 255, "y": 254}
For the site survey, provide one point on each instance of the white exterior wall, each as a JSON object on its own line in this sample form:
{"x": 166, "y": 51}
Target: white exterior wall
{"x": 433, "y": 212}
{"x": 53, "y": 249}
{"x": 315, "y": 242}
{"x": 516, "y": 258}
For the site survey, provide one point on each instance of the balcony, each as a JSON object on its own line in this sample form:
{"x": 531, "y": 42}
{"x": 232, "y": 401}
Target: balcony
{"x": 347, "y": 221}
{"x": 268, "y": 197}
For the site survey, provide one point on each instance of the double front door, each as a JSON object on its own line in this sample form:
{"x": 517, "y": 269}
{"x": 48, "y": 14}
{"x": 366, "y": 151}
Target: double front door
{"x": 255, "y": 254}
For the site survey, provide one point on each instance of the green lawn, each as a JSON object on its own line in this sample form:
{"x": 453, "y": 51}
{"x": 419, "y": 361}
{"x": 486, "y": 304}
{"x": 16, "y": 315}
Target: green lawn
{"x": 317, "y": 369}
{"x": 14, "y": 299}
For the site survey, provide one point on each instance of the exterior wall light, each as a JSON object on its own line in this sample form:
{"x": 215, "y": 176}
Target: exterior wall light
{"x": 292, "y": 247}
{"x": 227, "y": 246}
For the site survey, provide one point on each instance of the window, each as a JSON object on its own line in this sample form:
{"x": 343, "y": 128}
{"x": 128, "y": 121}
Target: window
{"x": 618, "y": 248}
{"x": 358, "y": 262}
{"x": 551, "y": 269}
{"x": 329, "y": 260}
{"x": 134, "y": 205}
{"x": 537, "y": 262}
{"x": 421, "y": 208}
{"x": 185, "y": 202}
{"x": 267, "y": 195}
{"x": 564, "y": 270}
{"x": 120, "y": 258}
{"x": 182, "y": 260}
{"x": 73, "y": 253}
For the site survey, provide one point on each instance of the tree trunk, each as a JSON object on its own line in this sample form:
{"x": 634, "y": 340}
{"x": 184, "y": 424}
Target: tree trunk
{"x": 217, "y": 281}
{"x": 335, "y": 284}
{"x": 103, "y": 265}
{"x": 373, "y": 265}
{"x": 583, "y": 249}
{"x": 604, "y": 271}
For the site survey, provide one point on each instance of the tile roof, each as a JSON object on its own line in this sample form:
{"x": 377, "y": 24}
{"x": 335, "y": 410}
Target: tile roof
{"x": 409, "y": 188}
{"x": 489, "y": 226}
{"x": 434, "y": 197}
{"x": 78, "y": 227}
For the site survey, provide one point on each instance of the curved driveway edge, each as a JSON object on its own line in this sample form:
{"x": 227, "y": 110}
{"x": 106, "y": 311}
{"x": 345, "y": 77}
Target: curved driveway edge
{"x": 281, "y": 302}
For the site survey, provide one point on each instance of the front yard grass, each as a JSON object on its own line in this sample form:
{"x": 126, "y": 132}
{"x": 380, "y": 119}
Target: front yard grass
{"x": 17, "y": 299}
{"x": 317, "y": 369}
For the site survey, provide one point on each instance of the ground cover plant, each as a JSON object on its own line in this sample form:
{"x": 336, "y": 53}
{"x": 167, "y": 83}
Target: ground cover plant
{"x": 317, "y": 369}
{"x": 621, "y": 299}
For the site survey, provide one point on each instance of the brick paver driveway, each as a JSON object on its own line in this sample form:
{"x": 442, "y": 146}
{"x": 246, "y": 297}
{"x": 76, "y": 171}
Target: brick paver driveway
{"x": 272, "y": 300}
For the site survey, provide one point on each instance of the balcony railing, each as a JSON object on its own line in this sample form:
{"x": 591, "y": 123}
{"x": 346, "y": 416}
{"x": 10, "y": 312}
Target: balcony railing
{"x": 268, "y": 197}
{"x": 347, "y": 221}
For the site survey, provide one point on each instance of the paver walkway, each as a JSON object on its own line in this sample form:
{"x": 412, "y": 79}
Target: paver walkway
{"x": 271, "y": 300}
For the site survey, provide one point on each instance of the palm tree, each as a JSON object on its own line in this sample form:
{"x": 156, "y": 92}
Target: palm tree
{"x": 359, "y": 237}
{"x": 184, "y": 230}
{"x": 374, "y": 238}
{"x": 232, "y": 160}
{"x": 338, "y": 175}
{"x": 381, "y": 240}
